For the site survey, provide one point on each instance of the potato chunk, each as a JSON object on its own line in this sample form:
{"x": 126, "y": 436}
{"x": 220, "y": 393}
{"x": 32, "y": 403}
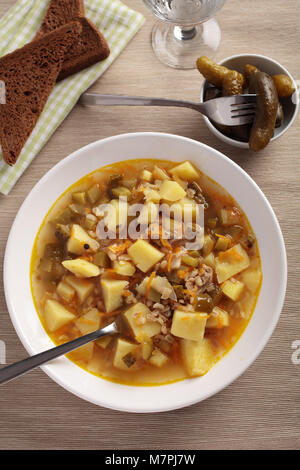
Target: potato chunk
{"x": 152, "y": 293}
{"x": 232, "y": 288}
{"x": 185, "y": 209}
{"x": 252, "y": 279}
{"x": 56, "y": 315}
{"x": 104, "y": 342}
{"x": 144, "y": 255}
{"x": 80, "y": 242}
{"x": 171, "y": 191}
{"x": 218, "y": 318}
{"x": 231, "y": 262}
{"x": 65, "y": 291}
{"x": 189, "y": 325}
{"x": 81, "y": 267}
{"x": 112, "y": 293}
{"x": 158, "y": 358}
{"x": 124, "y": 268}
{"x": 125, "y": 355}
{"x": 82, "y": 287}
{"x": 185, "y": 170}
{"x": 88, "y": 322}
{"x": 198, "y": 356}
{"x": 136, "y": 318}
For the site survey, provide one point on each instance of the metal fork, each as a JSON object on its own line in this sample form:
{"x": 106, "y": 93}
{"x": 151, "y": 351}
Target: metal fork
{"x": 228, "y": 111}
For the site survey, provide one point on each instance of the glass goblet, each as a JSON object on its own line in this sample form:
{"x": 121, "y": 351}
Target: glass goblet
{"x": 188, "y": 30}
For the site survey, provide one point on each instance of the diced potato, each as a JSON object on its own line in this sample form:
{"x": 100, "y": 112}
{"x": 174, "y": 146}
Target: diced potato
{"x": 56, "y": 315}
{"x": 159, "y": 173}
{"x": 81, "y": 267}
{"x": 116, "y": 215}
{"x": 136, "y": 318}
{"x": 112, "y": 290}
{"x": 232, "y": 288}
{"x": 104, "y": 342}
{"x": 125, "y": 355}
{"x": 171, "y": 191}
{"x": 144, "y": 255}
{"x": 209, "y": 260}
{"x": 146, "y": 175}
{"x": 151, "y": 195}
{"x": 65, "y": 291}
{"x": 231, "y": 262}
{"x": 218, "y": 318}
{"x": 124, "y": 268}
{"x": 252, "y": 279}
{"x": 185, "y": 209}
{"x": 198, "y": 356}
{"x": 185, "y": 171}
{"x": 82, "y": 287}
{"x": 160, "y": 284}
{"x": 152, "y": 293}
{"x": 208, "y": 245}
{"x": 158, "y": 358}
{"x": 229, "y": 216}
{"x": 189, "y": 325}
{"x": 149, "y": 214}
{"x": 88, "y": 322}
{"x": 80, "y": 242}
{"x": 84, "y": 353}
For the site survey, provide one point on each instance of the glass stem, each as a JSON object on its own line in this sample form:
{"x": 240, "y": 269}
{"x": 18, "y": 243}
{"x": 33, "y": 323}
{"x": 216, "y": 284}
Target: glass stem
{"x": 185, "y": 33}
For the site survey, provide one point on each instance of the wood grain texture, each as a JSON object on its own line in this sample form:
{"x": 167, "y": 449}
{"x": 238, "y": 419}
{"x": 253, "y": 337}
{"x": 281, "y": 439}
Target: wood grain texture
{"x": 260, "y": 410}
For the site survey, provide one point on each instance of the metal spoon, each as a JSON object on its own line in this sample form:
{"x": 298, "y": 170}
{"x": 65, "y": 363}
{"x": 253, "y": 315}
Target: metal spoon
{"x": 22, "y": 367}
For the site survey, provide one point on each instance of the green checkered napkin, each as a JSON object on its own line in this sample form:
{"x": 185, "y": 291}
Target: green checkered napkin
{"x": 116, "y": 21}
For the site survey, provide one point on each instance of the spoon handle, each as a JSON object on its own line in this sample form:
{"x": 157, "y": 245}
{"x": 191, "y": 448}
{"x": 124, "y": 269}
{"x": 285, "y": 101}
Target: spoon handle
{"x": 19, "y": 368}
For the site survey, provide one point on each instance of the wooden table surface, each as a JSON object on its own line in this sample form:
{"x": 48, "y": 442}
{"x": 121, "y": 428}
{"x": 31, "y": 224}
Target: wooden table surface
{"x": 260, "y": 410}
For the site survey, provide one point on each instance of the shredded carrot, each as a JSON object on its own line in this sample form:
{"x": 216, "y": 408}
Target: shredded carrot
{"x": 192, "y": 293}
{"x": 164, "y": 241}
{"x": 126, "y": 293}
{"x": 149, "y": 284}
{"x": 120, "y": 248}
{"x": 221, "y": 236}
{"x": 182, "y": 273}
{"x": 169, "y": 262}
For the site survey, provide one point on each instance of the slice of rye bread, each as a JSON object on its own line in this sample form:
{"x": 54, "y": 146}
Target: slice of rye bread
{"x": 30, "y": 74}
{"x": 59, "y": 13}
{"x": 91, "y": 46}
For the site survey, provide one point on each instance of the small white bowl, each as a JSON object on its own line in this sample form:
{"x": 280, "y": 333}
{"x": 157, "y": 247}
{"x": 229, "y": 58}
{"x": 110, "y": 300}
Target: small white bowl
{"x": 270, "y": 66}
{"x": 155, "y": 146}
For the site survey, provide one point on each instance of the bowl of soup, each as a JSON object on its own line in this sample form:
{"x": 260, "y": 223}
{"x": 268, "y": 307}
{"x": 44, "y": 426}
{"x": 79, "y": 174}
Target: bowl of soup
{"x": 165, "y": 236}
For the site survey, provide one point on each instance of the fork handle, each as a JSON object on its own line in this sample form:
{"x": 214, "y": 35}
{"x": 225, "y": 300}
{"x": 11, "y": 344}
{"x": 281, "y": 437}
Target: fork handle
{"x": 19, "y": 368}
{"x": 95, "y": 99}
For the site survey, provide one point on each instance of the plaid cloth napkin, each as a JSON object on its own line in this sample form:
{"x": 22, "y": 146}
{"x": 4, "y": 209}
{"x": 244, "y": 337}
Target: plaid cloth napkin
{"x": 116, "y": 21}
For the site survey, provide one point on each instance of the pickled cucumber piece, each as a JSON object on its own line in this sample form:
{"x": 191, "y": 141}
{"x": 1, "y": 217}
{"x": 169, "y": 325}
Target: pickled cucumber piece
{"x": 266, "y": 110}
{"x": 233, "y": 83}
{"x": 284, "y": 85}
{"x": 218, "y": 74}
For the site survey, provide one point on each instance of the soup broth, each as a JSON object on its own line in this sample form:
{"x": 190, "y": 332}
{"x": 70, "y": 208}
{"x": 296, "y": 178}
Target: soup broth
{"x": 178, "y": 309}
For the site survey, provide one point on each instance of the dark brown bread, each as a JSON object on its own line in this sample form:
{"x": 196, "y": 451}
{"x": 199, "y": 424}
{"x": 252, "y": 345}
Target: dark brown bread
{"x": 91, "y": 46}
{"x": 29, "y": 75}
{"x": 59, "y": 13}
